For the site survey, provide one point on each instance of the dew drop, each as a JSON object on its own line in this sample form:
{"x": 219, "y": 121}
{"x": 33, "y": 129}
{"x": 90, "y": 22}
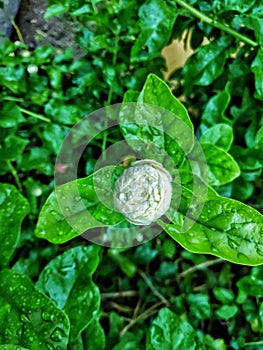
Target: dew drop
{"x": 259, "y": 251}
{"x": 24, "y": 318}
{"x": 77, "y": 198}
{"x": 50, "y": 346}
{"x": 47, "y": 316}
{"x": 57, "y": 335}
{"x": 232, "y": 244}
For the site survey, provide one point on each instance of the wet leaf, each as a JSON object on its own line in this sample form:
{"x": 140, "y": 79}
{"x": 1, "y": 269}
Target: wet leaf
{"x": 225, "y": 228}
{"x": 28, "y": 318}
{"x": 82, "y": 208}
{"x": 169, "y": 331}
{"x": 222, "y": 167}
{"x": 66, "y": 280}
{"x": 156, "y": 21}
{"x": 220, "y": 135}
{"x": 13, "y": 208}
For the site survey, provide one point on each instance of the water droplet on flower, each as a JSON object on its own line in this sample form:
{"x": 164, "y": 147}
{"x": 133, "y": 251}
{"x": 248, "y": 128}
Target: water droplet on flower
{"x": 122, "y": 197}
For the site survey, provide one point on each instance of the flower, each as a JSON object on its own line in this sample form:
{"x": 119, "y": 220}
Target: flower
{"x": 143, "y": 192}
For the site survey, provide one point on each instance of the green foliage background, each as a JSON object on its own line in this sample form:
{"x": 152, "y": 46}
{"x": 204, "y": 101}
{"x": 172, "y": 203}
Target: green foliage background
{"x": 155, "y": 296}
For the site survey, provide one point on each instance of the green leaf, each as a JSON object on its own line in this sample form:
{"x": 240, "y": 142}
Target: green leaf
{"x": 233, "y": 5}
{"x": 226, "y": 228}
{"x": 256, "y": 24}
{"x": 252, "y": 285}
{"x": 27, "y": 317}
{"x": 226, "y": 312}
{"x": 222, "y": 168}
{"x": 67, "y": 281}
{"x": 13, "y": 78}
{"x": 169, "y": 332}
{"x": 12, "y": 147}
{"x": 200, "y": 307}
{"x": 154, "y": 129}
{"x": 207, "y": 64}
{"x": 214, "y": 112}
{"x": 94, "y": 336}
{"x": 37, "y": 159}
{"x": 56, "y": 10}
{"x": 65, "y": 114}
{"x": 257, "y": 69}
{"x": 224, "y": 295}
{"x": 220, "y": 135}
{"x": 13, "y": 208}
{"x": 156, "y": 21}
{"x": 82, "y": 207}
{"x": 10, "y": 115}
{"x": 54, "y": 135}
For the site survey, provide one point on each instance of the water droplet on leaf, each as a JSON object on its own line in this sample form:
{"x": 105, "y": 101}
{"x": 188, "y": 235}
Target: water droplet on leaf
{"x": 57, "y": 335}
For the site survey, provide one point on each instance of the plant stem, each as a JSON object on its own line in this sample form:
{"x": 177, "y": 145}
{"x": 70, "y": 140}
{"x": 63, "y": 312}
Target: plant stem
{"x": 199, "y": 267}
{"x": 216, "y": 24}
{"x": 105, "y": 134}
{"x": 153, "y": 289}
{"x": 18, "y": 32}
{"x": 15, "y": 175}
{"x": 32, "y": 114}
{"x": 123, "y": 294}
{"x": 14, "y": 99}
{"x": 147, "y": 313}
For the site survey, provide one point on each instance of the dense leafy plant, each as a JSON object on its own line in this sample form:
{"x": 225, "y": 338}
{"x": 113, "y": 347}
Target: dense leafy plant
{"x": 72, "y": 295}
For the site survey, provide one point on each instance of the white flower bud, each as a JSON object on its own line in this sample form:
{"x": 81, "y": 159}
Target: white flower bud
{"x": 143, "y": 192}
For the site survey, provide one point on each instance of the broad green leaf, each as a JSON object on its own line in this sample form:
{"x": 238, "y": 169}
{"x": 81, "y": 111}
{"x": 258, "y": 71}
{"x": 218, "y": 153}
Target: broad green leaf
{"x": 10, "y": 115}
{"x": 156, "y": 92}
{"x": 220, "y": 135}
{"x": 65, "y": 114}
{"x": 207, "y": 64}
{"x": 224, "y": 295}
{"x": 67, "y": 281}
{"x": 226, "y": 228}
{"x": 156, "y": 21}
{"x": 226, "y": 312}
{"x": 12, "y": 147}
{"x": 214, "y": 112}
{"x": 252, "y": 285}
{"x": 233, "y": 5}
{"x": 200, "y": 306}
{"x": 257, "y": 69}
{"x": 56, "y": 10}
{"x": 258, "y": 145}
{"x": 157, "y": 123}
{"x": 81, "y": 207}
{"x": 27, "y": 317}
{"x": 53, "y": 137}
{"x": 169, "y": 331}
{"x": 222, "y": 168}
{"x": 256, "y": 24}
{"x": 12, "y": 77}
{"x": 37, "y": 158}
{"x": 94, "y": 336}
{"x": 13, "y": 208}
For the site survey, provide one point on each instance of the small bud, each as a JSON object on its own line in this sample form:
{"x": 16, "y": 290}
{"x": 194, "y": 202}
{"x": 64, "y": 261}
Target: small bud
{"x": 143, "y": 192}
